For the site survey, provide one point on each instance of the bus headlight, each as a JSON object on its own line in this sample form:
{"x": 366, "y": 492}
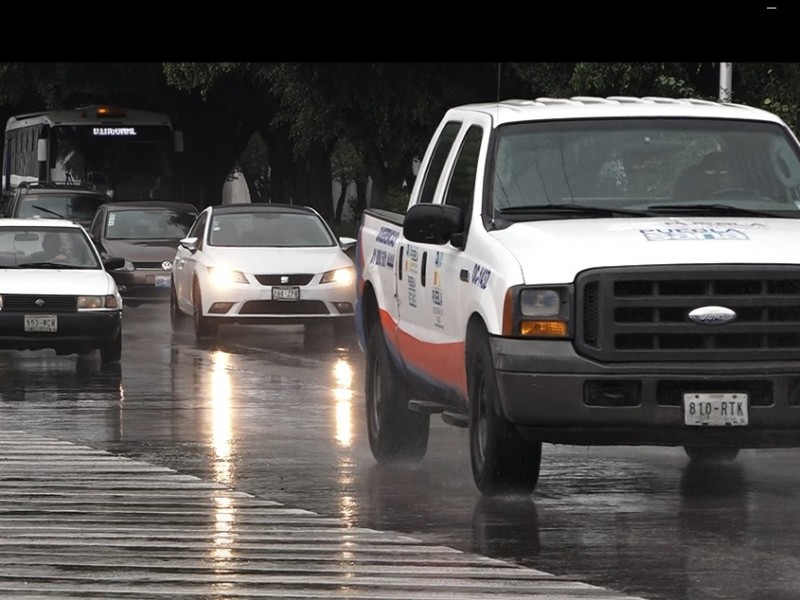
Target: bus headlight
{"x": 542, "y": 312}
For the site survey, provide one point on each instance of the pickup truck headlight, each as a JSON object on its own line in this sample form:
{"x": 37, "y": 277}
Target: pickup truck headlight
{"x": 538, "y": 312}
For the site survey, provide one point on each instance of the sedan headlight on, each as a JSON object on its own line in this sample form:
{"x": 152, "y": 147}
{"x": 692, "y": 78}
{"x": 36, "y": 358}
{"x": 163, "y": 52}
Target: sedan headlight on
{"x": 97, "y": 302}
{"x": 344, "y": 276}
{"x": 223, "y": 277}
{"x": 538, "y": 312}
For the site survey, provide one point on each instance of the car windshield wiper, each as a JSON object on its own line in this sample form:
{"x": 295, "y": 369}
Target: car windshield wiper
{"x": 48, "y": 211}
{"x": 48, "y": 265}
{"x": 719, "y": 209}
{"x": 576, "y": 209}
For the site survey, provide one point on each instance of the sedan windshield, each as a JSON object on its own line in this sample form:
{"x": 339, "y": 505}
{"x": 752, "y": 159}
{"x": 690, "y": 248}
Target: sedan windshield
{"x": 652, "y": 165}
{"x": 148, "y": 224}
{"x": 270, "y": 229}
{"x": 46, "y": 248}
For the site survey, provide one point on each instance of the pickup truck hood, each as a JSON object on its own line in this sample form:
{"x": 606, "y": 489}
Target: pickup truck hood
{"x": 68, "y": 282}
{"x": 556, "y": 251}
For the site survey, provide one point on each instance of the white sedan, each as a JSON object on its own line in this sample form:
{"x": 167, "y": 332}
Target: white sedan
{"x": 262, "y": 264}
{"x": 55, "y": 292}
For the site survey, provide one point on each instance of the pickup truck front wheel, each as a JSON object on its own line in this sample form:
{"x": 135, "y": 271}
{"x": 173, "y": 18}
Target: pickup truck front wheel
{"x": 502, "y": 461}
{"x": 395, "y": 433}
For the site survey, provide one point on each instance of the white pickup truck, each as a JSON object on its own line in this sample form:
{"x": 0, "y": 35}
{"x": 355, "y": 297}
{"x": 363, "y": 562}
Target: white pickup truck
{"x": 616, "y": 271}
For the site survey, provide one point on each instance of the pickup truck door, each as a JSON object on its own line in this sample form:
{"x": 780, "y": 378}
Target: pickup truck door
{"x": 436, "y": 279}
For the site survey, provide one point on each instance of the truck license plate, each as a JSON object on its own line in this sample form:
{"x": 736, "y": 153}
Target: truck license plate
{"x": 286, "y": 293}
{"x": 715, "y": 409}
{"x": 41, "y": 323}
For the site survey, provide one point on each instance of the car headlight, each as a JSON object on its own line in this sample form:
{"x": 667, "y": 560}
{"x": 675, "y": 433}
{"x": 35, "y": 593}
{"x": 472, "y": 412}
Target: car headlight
{"x": 538, "y": 312}
{"x": 223, "y": 277}
{"x": 96, "y": 302}
{"x": 344, "y": 276}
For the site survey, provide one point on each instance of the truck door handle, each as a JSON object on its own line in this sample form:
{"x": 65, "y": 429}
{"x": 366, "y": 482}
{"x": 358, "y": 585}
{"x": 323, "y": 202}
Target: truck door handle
{"x": 464, "y": 275}
{"x": 400, "y": 265}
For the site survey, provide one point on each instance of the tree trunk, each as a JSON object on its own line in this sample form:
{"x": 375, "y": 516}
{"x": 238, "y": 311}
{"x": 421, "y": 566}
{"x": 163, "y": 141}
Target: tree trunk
{"x": 314, "y": 181}
{"x": 281, "y": 181}
{"x": 341, "y": 200}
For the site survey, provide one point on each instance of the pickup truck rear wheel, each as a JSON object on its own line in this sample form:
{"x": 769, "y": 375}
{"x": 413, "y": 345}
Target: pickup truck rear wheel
{"x": 396, "y": 434}
{"x": 502, "y": 461}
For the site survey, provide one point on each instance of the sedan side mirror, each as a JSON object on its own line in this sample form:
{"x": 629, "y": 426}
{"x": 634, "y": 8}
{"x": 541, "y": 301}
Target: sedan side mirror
{"x": 189, "y": 243}
{"x": 347, "y": 243}
{"x": 113, "y": 262}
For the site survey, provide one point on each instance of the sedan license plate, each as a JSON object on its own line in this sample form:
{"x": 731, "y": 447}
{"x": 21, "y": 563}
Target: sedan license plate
{"x": 715, "y": 409}
{"x": 285, "y": 293}
{"x": 41, "y": 323}
{"x": 162, "y": 281}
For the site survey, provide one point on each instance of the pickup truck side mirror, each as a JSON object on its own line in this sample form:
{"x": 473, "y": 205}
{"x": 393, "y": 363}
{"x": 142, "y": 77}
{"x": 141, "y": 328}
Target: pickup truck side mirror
{"x": 432, "y": 223}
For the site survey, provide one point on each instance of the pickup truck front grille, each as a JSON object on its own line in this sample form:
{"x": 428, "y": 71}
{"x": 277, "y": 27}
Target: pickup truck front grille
{"x": 641, "y": 313}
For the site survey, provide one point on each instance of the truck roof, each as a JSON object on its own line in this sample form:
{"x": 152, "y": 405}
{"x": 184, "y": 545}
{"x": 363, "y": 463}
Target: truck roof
{"x": 516, "y": 110}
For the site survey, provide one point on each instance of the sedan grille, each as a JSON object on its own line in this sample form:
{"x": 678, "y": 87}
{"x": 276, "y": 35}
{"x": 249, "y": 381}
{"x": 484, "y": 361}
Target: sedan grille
{"x": 281, "y": 307}
{"x": 39, "y": 303}
{"x": 148, "y": 265}
{"x": 293, "y": 279}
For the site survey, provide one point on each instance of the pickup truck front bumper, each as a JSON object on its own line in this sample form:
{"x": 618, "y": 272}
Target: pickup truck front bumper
{"x": 553, "y": 394}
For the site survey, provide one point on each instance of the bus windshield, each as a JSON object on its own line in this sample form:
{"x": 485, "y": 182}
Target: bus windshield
{"x": 126, "y": 162}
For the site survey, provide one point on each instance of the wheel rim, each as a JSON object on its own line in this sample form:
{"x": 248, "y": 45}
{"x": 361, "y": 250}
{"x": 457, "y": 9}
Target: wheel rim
{"x": 483, "y": 422}
{"x": 198, "y": 309}
{"x": 375, "y": 383}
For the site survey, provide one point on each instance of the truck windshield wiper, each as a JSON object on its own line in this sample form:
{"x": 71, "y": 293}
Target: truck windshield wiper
{"x": 576, "y": 209}
{"x": 719, "y": 209}
{"x": 48, "y": 211}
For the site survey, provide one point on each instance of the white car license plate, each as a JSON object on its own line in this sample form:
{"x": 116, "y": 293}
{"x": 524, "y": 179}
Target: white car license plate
{"x": 715, "y": 409}
{"x": 41, "y": 323}
{"x": 285, "y": 293}
{"x": 162, "y": 281}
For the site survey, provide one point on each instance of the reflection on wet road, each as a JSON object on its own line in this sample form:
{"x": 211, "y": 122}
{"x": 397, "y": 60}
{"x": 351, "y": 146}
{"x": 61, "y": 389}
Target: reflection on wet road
{"x": 270, "y": 414}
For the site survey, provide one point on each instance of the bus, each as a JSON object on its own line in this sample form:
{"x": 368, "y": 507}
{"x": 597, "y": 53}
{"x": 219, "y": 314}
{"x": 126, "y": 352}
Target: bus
{"x": 128, "y": 154}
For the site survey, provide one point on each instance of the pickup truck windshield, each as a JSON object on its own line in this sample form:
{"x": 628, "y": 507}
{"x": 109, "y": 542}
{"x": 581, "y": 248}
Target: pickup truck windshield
{"x": 654, "y": 165}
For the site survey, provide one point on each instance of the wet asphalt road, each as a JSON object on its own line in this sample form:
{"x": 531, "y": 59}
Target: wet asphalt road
{"x": 264, "y": 413}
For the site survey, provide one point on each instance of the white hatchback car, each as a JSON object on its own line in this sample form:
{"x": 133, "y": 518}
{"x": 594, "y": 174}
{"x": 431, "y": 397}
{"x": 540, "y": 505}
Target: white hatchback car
{"x": 55, "y": 292}
{"x": 262, "y": 264}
